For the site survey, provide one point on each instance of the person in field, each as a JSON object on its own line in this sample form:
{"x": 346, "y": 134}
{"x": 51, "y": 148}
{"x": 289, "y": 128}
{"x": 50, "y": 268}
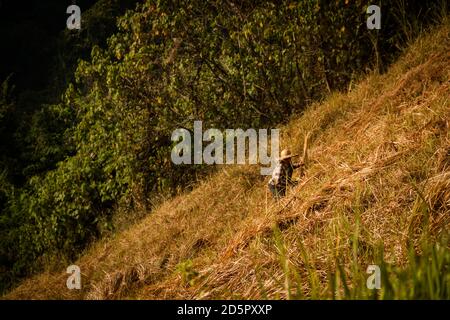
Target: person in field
{"x": 282, "y": 174}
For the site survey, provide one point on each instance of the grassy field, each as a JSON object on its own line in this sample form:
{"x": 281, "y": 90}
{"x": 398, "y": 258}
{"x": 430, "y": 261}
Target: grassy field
{"x": 376, "y": 192}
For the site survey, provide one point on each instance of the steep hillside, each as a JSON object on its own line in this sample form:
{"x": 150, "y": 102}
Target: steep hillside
{"x": 376, "y": 189}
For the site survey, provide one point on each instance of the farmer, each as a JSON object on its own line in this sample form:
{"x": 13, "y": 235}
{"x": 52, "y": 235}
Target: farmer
{"x": 282, "y": 174}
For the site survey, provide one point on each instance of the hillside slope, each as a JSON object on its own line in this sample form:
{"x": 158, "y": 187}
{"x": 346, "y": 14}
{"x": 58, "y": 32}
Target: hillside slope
{"x": 380, "y": 167}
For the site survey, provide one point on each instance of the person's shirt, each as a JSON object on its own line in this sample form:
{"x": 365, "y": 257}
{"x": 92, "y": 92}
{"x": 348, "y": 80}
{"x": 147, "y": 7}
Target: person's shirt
{"x": 282, "y": 174}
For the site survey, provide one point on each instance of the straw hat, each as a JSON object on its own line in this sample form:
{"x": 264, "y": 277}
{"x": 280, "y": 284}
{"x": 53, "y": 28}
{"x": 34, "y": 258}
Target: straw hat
{"x": 286, "y": 154}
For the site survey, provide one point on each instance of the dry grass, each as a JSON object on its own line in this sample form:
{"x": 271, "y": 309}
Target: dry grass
{"x": 377, "y": 154}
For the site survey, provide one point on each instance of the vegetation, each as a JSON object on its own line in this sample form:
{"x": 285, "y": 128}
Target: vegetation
{"x": 376, "y": 192}
{"x": 96, "y": 150}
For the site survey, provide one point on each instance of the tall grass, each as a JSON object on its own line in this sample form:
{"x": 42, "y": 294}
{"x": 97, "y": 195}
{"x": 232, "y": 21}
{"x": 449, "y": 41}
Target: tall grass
{"x": 425, "y": 276}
